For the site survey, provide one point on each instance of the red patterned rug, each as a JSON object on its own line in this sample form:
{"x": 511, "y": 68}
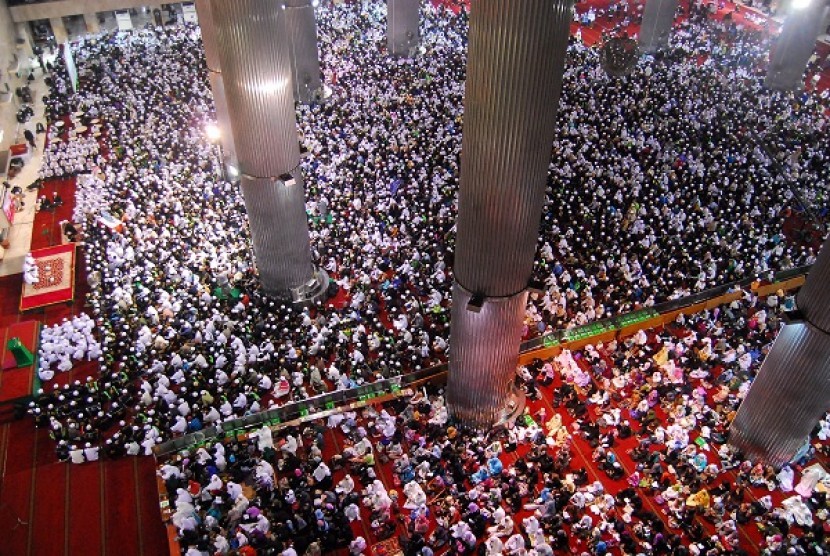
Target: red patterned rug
{"x": 56, "y": 273}
{"x": 389, "y": 547}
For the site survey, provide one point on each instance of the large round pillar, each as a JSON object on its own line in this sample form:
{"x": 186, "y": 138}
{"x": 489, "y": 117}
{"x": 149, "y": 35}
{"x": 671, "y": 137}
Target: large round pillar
{"x": 91, "y": 22}
{"x": 59, "y": 30}
{"x": 217, "y": 85}
{"x": 794, "y": 46}
{"x": 658, "y": 18}
{"x": 253, "y": 52}
{"x": 514, "y": 77}
{"x": 402, "y": 26}
{"x": 792, "y": 390}
{"x": 484, "y": 354}
{"x": 305, "y": 58}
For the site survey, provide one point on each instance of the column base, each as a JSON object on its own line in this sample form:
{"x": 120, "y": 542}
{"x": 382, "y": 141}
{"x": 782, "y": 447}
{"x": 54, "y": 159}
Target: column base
{"x": 321, "y": 95}
{"x": 312, "y": 291}
{"x": 484, "y": 353}
{"x": 650, "y": 49}
{"x": 778, "y": 82}
{"x": 314, "y": 96}
{"x": 317, "y": 96}
{"x": 279, "y": 232}
{"x": 513, "y": 409}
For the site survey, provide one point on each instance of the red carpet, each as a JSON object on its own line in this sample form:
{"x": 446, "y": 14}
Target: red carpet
{"x": 112, "y": 507}
{"x": 11, "y": 286}
{"x": 16, "y": 382}
{"x": 823, "y": 51}
{"x": 153, "y": 537}
{"x": 121, "y": 517}
{"x": 799, "y": 229}
{"x": 49, "y": 523}
{"x": 453, "y": 5}
{"x": 90, "y": 509}
{"x": 17, "y": 495}
{"x": 85, "y": 511}
{"x": 46, "y": 231}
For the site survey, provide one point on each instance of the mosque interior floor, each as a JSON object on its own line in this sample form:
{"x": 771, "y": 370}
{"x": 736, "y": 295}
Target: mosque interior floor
{"x": 49, "y": 507}
{"x": 20, "y": 235}
{"x": 751, "y": 537}
{"x": 111, "y": 507}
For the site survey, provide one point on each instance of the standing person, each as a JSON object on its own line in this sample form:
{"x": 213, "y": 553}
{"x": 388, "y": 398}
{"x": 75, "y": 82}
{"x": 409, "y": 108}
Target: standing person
{"x": 30, "y": 138}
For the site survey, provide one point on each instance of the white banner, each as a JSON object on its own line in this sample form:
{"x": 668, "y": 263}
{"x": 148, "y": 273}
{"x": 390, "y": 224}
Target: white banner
{"x": 70, "y": 65}
{"x": 189, "y": 13}
{"x": 125, "y": 22}
{"x": 7, "y": 212}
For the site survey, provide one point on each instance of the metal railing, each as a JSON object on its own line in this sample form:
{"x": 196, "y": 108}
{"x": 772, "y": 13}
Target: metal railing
{"x": 627, "y": 319}
{"x": 340, "y": 398}
{"x": 303, "y": 408}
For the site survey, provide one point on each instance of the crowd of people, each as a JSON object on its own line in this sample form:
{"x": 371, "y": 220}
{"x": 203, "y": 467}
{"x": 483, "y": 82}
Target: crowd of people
{"x": 656, "y": 190}
{"x": 63, "y": 344}
{"x": 662, "y": 183}
{"x": 31, "y": 272}
{"x": 668, "y": 191}
{"x": 70, "y": 158}
{"x": 622, "y": 447}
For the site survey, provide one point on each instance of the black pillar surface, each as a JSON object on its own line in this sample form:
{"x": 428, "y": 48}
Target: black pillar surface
{"x": 402, "y": 26}
{"x": 302, "y": 48}
{"x": 658, "y": 18}
{"x": 217, "y": 85}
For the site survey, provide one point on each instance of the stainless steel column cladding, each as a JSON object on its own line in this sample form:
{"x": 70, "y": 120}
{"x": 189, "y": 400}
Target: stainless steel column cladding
{"x": 217, "y": 86}
{"x": 280, "y": 232}
{"x": 788, "y": 397}
{"x": 305, "y": 58}
{"x": 792, "y": 390}
{"x": 484, "y": 355}
{"x": 223, "y": 119}
{"x": 658, "y": 18}
{"x": 514, "y": 77}
{"x": 813, "y": 299}
{"x": 253, "y": 51}
{"x": 402, "y": 26}
{"x": 205, "y": 15}
{"x": 794, "y": 46}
